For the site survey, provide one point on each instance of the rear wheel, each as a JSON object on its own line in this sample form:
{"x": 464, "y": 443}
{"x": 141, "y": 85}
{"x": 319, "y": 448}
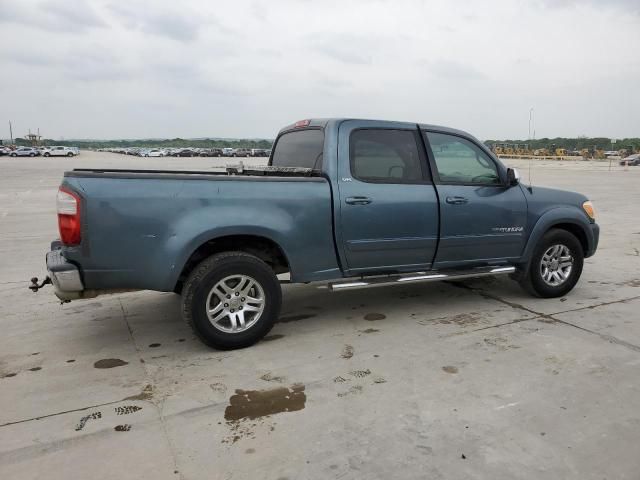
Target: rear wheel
{"x": 70, "y": 154}
{"x": 231, "y": 300}
{"x": 46, "y": 154}
{"x": 556, "y": 265}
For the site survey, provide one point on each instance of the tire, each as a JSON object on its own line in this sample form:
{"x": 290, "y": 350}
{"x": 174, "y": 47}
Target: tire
{"x": 47, "y": 154}
{"x": 14, "y": 154}
{"x": 536, "y": 282}
{"x": 198, "y": 295}
{"x": 70, "y": 154}
{"x": 32, "y": 154}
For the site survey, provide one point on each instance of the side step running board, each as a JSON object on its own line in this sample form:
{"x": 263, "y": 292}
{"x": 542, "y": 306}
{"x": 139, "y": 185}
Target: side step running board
{"x": 367, "y": 282}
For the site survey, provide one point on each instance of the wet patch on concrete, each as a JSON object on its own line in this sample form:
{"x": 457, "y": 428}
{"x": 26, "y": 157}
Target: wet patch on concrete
{"x": 35, "y": 369}
{"x": 71, "y": 360}
{"x": 450, "y": 369}
{"x": 347, "y": 352}
{"x": 252, "y": 404}
{"x": 83, "y": 421}
{"x": 9, "y": 375}
{"x": 35, "y": 353}
{"x": 270, "y": 338}
{"x": 122, "y": 428}
{"x": 372, "y": 317}
{"x": 126, "y": 409}
{"x": 155, "y": 345}
{"x": 267, "y": 377}
{"x": 146, "y": 394}
{"x": 369, "y": 330}
{"x": 294, "y": 318}
{"x": 110, "y": 363}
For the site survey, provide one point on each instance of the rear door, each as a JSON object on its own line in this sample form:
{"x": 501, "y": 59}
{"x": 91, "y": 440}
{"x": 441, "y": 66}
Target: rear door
{"x": 483, "y": 220}
{"x": 388, "y": 210}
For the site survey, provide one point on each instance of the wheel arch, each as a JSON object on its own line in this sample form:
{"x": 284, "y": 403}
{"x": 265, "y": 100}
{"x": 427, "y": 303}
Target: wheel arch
{"x": 262, "y": 247}
{"x": 563, "y": 218}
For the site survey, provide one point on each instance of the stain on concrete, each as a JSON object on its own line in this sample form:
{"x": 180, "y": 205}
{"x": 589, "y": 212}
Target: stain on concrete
{"x": 450, "y": 369}
{"x": 8, "y": 375}
{"x": 154, "y": 345}
{"x": 71, "y": 360}
{"x": 35, "y": 369}
{"x": 270, "y": 338}
{"x": 35, "y": 353}
{"x": 122, "y": 428}
{"x": 110, "y": 363}
{"x": 218, "y": 387}
{"x": 355, "y": 390}
{"x": 146, "y": 394}
{"x": 267, "y": 377}
{"x": 372, "y": 317}
{"x": 127, "y": 409}
{"x": 347, "y": 352}
{"x": 181, "y": 340}
{"x": 360, "y": 373}
{"x": 252, "y": 404}
{"x": 83, "y": 421}
{"x": 340, "y": 379}
{"x": 370, "y": 330}
{"x": 250, "y": 450}
{"x": 295, "y": 318}
{"x": 379, "y": 379}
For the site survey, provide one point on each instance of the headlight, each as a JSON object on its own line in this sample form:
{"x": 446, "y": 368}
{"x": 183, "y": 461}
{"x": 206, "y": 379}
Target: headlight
{"x": 588, "y": 209}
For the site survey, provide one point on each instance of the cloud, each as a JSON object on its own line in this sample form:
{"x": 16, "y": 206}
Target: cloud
{"x": 73, "y": 16}
{"x": 451, "y": 70}
{"x": 165, "y": 23}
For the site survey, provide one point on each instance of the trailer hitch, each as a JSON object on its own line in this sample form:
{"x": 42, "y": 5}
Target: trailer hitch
{"x": 34, "y": 287}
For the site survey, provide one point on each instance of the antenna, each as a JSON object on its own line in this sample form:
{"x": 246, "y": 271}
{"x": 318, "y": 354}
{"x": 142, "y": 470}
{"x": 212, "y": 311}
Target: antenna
{"x": 534, "y": 136}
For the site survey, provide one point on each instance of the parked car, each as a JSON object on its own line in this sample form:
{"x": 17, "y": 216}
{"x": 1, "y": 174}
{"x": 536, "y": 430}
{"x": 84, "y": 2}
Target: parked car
{"x": 258, "y": 152}
{"x": 210, "y": 152}
{"x": 242, "y": 152}
{"x": 228, "y": 152}
{"x": 154, "y": 152}
{"x": 185, "y": 152}
{"x": 25, "y": 152}
{"x": 632, "y": 160}
{"x": 390, "y": 204}
{"x": 5, "y": 151}
{"x": 57, "y": 152}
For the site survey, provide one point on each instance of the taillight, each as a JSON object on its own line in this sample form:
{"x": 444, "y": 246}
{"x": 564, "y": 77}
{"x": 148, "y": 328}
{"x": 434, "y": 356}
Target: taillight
{"x": 68, "y": 204}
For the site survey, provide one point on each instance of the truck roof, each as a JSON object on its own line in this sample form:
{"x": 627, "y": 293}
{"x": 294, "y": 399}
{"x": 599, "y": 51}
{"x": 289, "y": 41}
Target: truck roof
{"x": 323, "y": 122}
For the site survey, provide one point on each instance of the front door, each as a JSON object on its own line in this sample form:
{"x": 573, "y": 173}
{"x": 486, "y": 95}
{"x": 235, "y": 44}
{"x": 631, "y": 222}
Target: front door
{"x": 388, "y": 212}
{"x": 482, "y": 219}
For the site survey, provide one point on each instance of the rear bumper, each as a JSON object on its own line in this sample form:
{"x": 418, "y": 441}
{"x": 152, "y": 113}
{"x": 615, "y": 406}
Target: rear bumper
{"x": 65, "y": 276}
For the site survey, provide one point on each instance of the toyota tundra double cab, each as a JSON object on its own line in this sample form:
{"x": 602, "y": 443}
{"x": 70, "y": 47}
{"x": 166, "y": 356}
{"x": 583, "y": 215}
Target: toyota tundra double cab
{"x": 350, "y": 203}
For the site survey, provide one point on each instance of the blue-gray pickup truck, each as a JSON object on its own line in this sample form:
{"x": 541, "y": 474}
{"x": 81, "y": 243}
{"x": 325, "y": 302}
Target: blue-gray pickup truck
{"x": 352, "y": 203}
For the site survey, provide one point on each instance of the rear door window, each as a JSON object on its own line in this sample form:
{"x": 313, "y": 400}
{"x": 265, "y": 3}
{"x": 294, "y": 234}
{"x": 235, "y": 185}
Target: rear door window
{"x": 300, "y": 148}
{"x": 385, "y": 156}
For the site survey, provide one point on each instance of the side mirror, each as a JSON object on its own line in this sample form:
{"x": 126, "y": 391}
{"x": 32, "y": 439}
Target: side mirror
{"x": 513, "y": 177}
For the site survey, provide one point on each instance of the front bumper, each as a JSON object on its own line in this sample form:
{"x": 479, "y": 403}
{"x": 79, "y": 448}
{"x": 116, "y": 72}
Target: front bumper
{"x": 595, "y": 237}
{"x": 65, "y": 276}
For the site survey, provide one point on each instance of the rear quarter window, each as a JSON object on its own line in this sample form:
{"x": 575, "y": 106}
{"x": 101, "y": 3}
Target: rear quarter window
{"x": 300, "y": 148}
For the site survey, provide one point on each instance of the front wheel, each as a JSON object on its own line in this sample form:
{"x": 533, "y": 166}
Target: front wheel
{"x": 556, "y": 265}
{"x": 231, "y": 300}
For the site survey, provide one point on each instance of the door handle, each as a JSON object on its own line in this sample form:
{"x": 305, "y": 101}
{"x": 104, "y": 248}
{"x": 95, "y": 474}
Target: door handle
{"x": 357, "y": 200}
{"x": 457, "y": 200}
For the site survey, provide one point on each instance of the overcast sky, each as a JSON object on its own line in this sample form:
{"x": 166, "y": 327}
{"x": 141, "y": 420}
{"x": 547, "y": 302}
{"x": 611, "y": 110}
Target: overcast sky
{"x": 163, "y": 68}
